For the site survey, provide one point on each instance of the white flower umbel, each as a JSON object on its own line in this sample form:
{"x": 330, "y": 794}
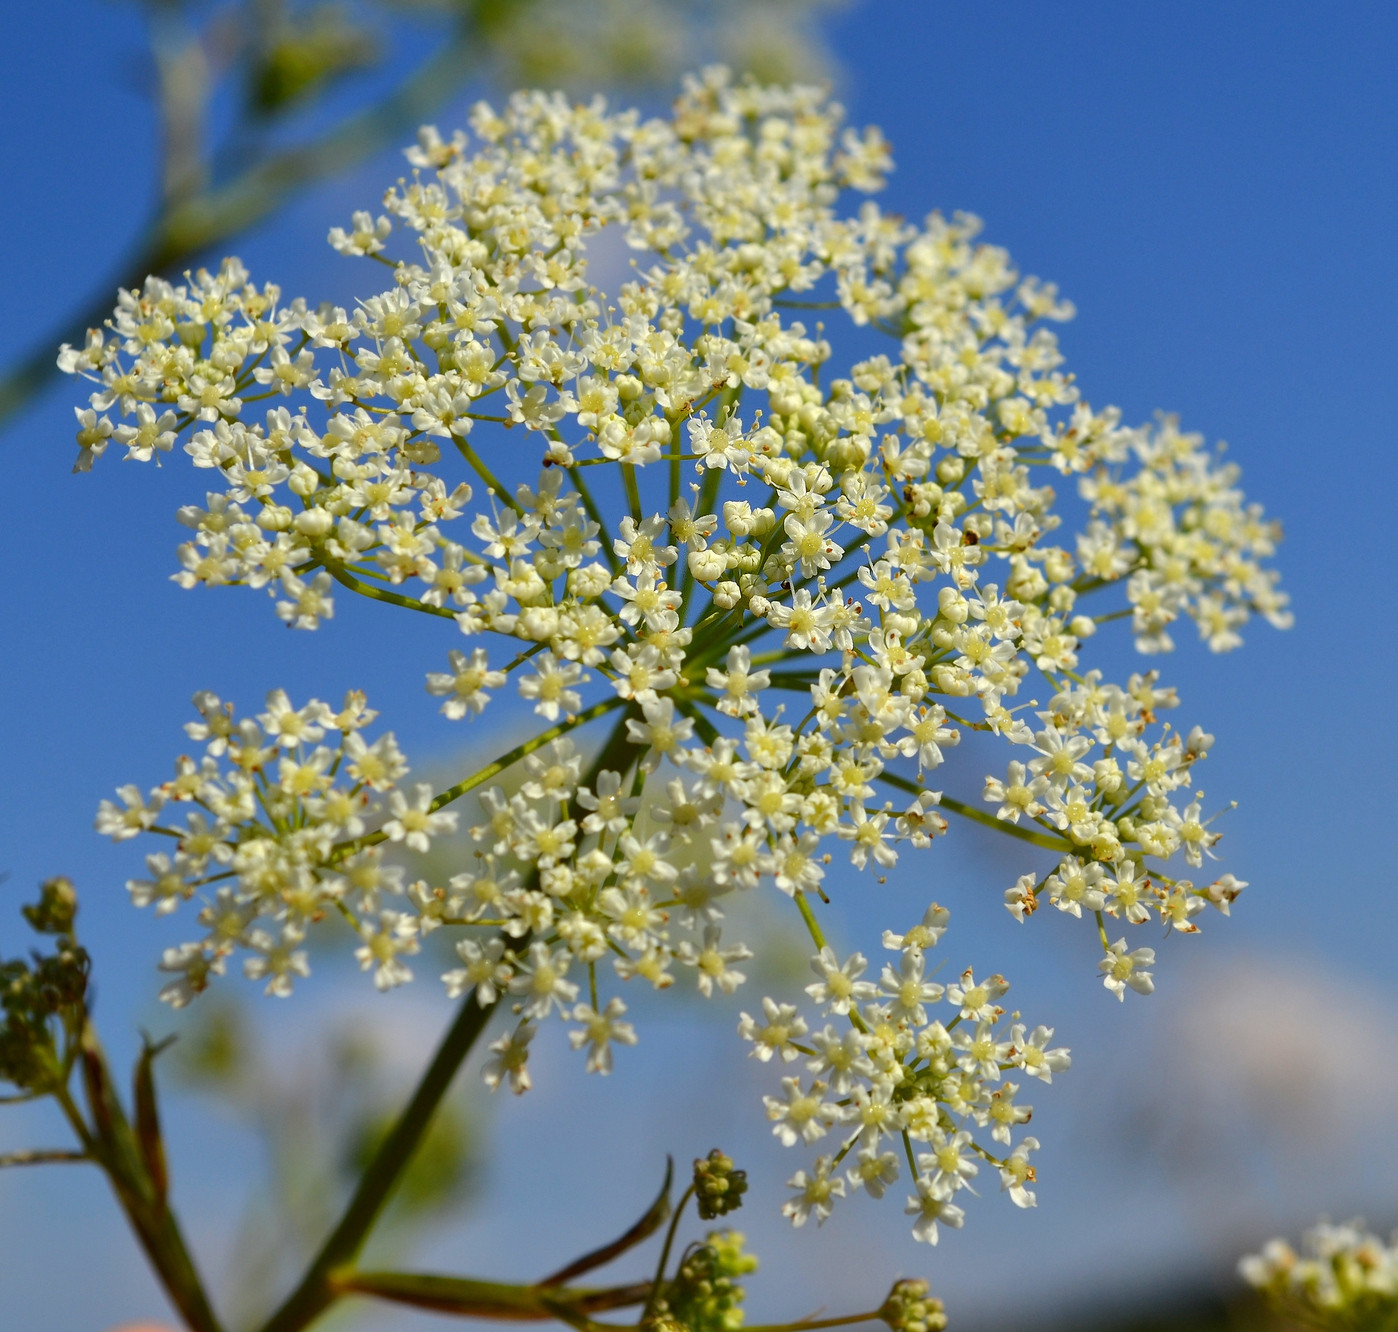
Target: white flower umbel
{"x": 788, "y": 585}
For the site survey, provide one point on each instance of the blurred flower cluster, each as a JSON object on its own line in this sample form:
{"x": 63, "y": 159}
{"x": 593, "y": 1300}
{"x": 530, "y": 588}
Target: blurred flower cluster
{"x": 1345, "y": 1279}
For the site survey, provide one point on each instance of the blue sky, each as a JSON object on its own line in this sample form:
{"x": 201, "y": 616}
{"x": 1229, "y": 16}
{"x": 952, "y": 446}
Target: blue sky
{"x": 1214, "y": 187}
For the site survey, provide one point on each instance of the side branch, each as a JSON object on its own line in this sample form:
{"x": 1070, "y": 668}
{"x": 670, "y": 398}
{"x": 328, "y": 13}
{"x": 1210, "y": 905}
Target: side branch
{"x": 492, "y": 769}
{"x": 317, "y": 1291}
{"x": 41, "y": 1157}
{"x": 341, "y": 575}
{"x": 112, "y": 1142}
{"x": 1045, "y": 840}
{"x": 523, "y": 751}
{"x": 653, "y": 1219}
{"x": 980, "y": 816}
{"x": 487, "y": 1299}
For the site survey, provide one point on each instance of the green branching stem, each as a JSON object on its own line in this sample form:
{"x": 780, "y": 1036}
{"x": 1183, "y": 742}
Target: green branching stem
{"x": 803, "y": 905}
{"x": 492, "y": 769}
{"x": 988, "y": 820}
{"x": 328, "y": 1277}
{"x": 811, "y": 1324}
{"x": 813, "y": 925}
{"x": 797, "y": 681}
{"x": 593, "y": 512}
{"x": 492, "y": 482}
{"x": 467, "y": 1297}
{"x": 343, "y": 576}
{"x": 522, "y": 751}
{"x": 658, "y": 1281}
{"x": 651, "y": 1220}
{"x": 633, "y": 492}
{"x": 317, "y": 1290}
{"x": 108, "y": 1140}
{"x": 980, "y": 816}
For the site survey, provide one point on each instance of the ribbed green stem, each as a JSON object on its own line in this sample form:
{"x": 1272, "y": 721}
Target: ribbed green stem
{"x": 316, "y": 1292}
{"x": 111, "y": 1143}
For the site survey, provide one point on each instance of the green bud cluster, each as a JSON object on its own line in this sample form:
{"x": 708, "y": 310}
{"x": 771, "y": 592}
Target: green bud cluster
{"x": 706, "y": 1295}
{"x": 43, "y": 996}
{"x": 718, "y": 1187}
{"x": 909, "y": 1308}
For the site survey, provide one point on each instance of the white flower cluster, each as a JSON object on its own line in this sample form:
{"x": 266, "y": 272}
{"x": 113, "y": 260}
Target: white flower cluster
{"x": 698, "y": 520}
{"x": 278, "y": 833}
{"x": 1348, "y": 1278}
{"x": 889, "y": 1070}
{"x": 1115, "y": 811}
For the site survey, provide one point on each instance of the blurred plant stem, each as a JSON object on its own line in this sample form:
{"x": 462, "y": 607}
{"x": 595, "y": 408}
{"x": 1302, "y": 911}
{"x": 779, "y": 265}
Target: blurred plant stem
{"x": 124, "y": 1154}
{"x": 195, "y": 212}
{"x": 320, "y": 1113}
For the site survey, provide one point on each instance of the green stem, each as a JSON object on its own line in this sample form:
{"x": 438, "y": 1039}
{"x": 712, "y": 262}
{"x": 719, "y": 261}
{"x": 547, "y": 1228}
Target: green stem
{"x": 521, "y": 751}
{"x": 804, "y": 907}
{"x": 323, "y": 1283}
{"x": 810, "y": 1324}
{"x": 675, "y": 450}
{"x": 633, "y": 493}
{"x": 41, "y": 1157}
{"x": 490, "y": 770}
{"x": 793, "y": 680}
{"x": 109, "y": 1142}
{"x": 486, "y": 474}
{"x": 317, "y": 1291}
{"x": 342, "y": 576}
{"x": 469, "y": 1298}
{"x": 987, "y": 820}
{"x": 595, "y": 514}
{"x": 665, "y": 1249}
{"x": 980, "y": 816}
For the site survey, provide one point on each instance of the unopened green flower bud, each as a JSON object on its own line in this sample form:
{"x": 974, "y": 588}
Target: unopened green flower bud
{"x": 662, "y": 1321}
{"x": 53, "y": 913}
{"x": 718, "y": 1187}
{"x": 909, "y": 1308}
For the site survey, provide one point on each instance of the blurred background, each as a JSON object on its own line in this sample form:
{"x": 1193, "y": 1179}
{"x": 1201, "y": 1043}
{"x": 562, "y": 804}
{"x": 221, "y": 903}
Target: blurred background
{"x": 1212, "y": 185}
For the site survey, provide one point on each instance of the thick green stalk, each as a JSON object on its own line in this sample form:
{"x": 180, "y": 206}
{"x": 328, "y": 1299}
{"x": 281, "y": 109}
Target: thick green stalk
{"x": 110, "y": 1142}
{"x": 316, "y": 1291}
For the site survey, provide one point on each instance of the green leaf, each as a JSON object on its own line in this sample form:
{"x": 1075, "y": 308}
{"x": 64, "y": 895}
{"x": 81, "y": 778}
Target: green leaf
{"x": 148, "y": 1139}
